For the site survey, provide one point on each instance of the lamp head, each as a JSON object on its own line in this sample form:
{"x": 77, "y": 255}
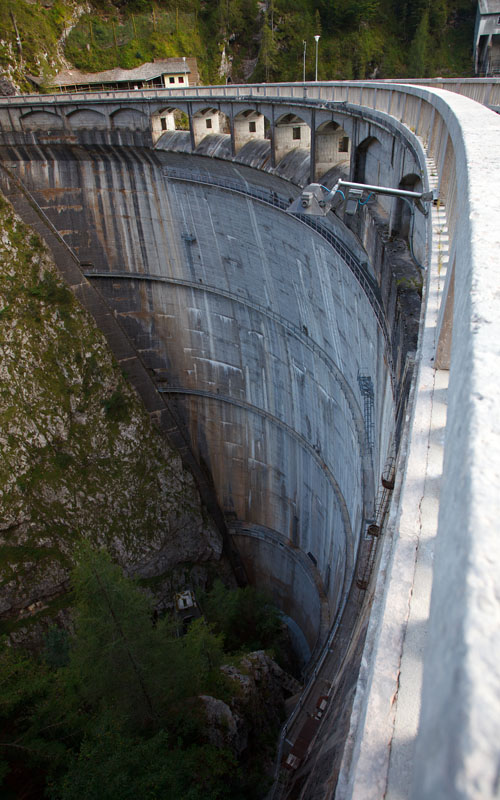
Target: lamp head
{"x": 352, "y": 201}
{"x": 310, "y": 202}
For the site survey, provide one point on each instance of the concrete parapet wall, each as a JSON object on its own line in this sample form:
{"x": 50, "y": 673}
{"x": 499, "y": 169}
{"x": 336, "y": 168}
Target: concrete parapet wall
{"x": 248, "y": 126}
{"x": 462, "y": 667}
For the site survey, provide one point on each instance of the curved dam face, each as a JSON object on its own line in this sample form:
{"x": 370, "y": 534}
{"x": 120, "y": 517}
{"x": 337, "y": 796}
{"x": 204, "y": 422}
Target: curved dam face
{"x": 260, "y": 335}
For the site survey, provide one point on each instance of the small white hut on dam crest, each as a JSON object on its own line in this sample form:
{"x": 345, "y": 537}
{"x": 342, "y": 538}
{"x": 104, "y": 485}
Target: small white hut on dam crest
{"x": 352, "y": 469}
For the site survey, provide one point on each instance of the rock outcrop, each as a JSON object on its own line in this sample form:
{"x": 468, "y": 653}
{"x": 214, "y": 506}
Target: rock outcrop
{"x": 7, "y": 88}
{"x": 259, "y": 690}
{"x": 226, "y": 728}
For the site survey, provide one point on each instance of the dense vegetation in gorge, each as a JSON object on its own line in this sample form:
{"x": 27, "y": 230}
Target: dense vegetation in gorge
{"x": 246, "y": 39}
{"x": 125, "y": 708}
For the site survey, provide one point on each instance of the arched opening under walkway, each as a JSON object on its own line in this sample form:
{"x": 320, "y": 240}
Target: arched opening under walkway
{"x": 367, "y": 160}
{"x": 163, "y": 121}
{"x": 291, "y": 133}
{"x": 248, "y": 125}
{"x": 333, "y": 148}
{"x": 169, "y": 120}
{"x": 208, "y": 122}
{"x": 403, "y": 211}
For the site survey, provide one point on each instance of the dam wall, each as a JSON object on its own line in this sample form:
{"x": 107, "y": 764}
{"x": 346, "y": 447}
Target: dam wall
{"x": 447, "y": 657}
{"x": 256, "y": 331}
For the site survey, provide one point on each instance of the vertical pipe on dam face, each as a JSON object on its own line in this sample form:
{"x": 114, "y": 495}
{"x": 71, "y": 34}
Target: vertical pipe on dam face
{"x": 312, "y": 147}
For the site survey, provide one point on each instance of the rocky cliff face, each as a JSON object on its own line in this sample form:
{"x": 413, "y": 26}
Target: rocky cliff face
{"x": 79, "y": 456}
{"x": 259, "y": 690}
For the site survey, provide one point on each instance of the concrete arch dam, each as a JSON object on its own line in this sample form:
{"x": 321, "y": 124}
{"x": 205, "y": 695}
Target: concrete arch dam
{"x": 272, "y": 352}
{"x": 254, "y": 331}
{"x": 272, "y": 356}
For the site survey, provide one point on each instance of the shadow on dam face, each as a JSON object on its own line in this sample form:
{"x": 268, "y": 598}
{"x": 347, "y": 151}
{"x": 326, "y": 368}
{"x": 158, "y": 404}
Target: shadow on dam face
{"x": 256, "y": 330}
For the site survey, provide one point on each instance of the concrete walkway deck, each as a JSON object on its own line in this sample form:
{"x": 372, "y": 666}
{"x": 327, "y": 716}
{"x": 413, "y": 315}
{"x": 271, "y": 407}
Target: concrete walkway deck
{"x": 387, "y": 706}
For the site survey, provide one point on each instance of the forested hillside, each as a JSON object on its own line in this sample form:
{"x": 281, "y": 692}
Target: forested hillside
{"x": 241, "y": 39}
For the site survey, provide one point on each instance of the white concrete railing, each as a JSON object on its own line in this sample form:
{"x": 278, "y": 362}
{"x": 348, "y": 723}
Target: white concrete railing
{"x": 483, "y": 90}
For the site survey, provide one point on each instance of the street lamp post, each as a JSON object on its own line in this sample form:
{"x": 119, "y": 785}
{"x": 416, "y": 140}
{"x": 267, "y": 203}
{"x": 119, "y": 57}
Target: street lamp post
{"x": 316, "y": 39}
{"x": 304, "y": 69}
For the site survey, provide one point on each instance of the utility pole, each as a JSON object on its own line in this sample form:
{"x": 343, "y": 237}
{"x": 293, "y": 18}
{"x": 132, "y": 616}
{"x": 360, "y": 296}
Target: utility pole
{"x": 114, "y": 37}
{"x": 18, "y": 38}
{"x": 304, "y": 67}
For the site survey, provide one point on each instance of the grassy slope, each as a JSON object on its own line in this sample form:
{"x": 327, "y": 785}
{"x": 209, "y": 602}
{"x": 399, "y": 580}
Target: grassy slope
{"x": 349, "y": 48}
{"x": 101, "y": 42}
{"x": 375, "y": 42}
{"x": 40, "y": 27}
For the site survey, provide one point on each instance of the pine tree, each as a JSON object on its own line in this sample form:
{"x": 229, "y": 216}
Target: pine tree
{"x": 419, "y": 50}
{"x": 114, "y": 644}
{"x": 268, "y": 49}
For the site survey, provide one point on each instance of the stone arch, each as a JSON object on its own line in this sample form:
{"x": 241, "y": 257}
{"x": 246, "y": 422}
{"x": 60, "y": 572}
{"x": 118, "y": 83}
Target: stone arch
{"x": 248, "y": 125}
{"x": 162, "y": 121}
{"x": 332, "y": 147}
{"x": 367, "y": 161}
{"x": 41, "y": 120}
{"x": 401, "y": 220}
{"x": 291, "y": 133}
{"x": 87, "y": 118}
{"x": 207, "y": 122}
{"x": 131, "y": 118}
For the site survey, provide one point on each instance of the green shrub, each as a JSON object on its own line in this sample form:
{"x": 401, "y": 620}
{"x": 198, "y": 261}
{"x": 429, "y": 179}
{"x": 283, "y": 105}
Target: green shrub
{"x": 116, "y": 406}
{"x": 245, "y": 617}
{"x": 49, "y": 290}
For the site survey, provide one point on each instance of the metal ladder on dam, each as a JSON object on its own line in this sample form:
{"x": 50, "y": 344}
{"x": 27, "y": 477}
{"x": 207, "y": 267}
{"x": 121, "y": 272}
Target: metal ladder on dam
{"x": 368, "y": 552}
{"x": 366, "y": 388}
